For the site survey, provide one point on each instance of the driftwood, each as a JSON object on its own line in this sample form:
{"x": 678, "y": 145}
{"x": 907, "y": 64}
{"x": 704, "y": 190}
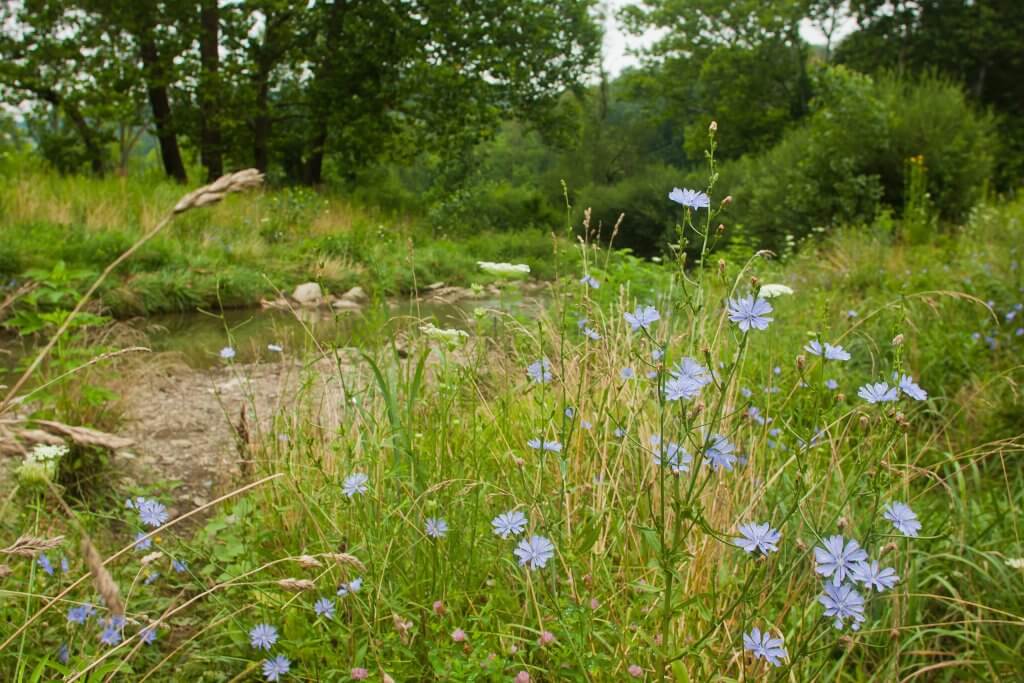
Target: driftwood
{"x": 18, "y": 440}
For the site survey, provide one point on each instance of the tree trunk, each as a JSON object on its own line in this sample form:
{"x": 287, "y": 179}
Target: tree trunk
{"x": 160, "y": 103}
{"x": 261, "y": 122}
{"x": 315, "y": 163}
{"x": 210, "y": 145}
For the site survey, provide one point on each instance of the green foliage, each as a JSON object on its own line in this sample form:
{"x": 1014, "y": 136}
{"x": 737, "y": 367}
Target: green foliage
{"x": 642, "y": 199}
{"x": 849, "y": 158}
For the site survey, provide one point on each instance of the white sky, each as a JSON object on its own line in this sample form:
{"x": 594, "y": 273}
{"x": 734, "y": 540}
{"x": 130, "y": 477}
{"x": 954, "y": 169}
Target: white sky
{"x": 618, "y": 43}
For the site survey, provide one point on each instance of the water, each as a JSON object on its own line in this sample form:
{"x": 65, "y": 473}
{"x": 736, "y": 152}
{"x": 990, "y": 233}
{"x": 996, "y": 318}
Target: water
{"x": 198, "y": 337}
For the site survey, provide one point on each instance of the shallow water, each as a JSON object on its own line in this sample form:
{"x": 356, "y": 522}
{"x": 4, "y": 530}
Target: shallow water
{"x": 199, "y": 336}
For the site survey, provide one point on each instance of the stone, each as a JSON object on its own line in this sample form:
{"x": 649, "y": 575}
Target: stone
{"x": 345, "y": 305}
{"x": 356, "y": 295}
{"x": 308, "y": 294}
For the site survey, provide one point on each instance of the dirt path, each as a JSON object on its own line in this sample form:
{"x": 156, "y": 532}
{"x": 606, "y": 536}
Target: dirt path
{"x": 186, "y": 423}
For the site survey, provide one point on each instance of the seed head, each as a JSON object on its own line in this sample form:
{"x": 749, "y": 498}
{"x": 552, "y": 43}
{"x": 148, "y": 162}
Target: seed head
{"x": 296, "y": 585}
{"x": 102, "y": 579}
{"x": 307, "y": 561}
{"x": 218, "y": 189}
{"x": 30, "y": 546}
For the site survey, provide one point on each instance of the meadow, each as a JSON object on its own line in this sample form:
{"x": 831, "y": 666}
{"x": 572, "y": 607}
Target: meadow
{"x": 799, "y": 466}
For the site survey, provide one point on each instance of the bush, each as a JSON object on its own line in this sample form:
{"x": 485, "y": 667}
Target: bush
{"x": 649, "y": 217}
{"x": 849, "y": 158}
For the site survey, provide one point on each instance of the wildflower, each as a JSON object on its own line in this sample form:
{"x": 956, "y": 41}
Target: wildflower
{"x": 450, "y": 337}
{"x": 635, "y": 670}
{"x": 539, "y": 371}
{"x": 675, "y": 457}
{"x": 586, "y": 424}
{"x": 262, "y": 636}
{"x": 909, "y": 387}
{"x": 851, "y": 314}
{"x": 589, "y": 281}
{"x": 754, "y": 413}
{"x": 64, "y": 565}
{"x": 355, "y": 584}
{"x": 141, "y": 542}
{"x": 80, "y": 614}
{"x": 148, "y": 635}
{"x": 593, "y": 335}
{"x": 111, "y": 635}
{"x": 657, "y": 355}
{"x": 843, "y": 602}
{"x": 546, "y": 638}
{"x": 509, "y": 524}
{"x": 63, "y": 654}
{"x": 438, "y": 608}
{"x": 436, "y": 527}
{"x": 838, "y": 557}
{"x": 758, "y": 537}
{"x": 747, "y": 393}
{"x": 690, "y": 369}
{"x": 694, "y": 199}
{"x": 504, "y": 269}
{"x": 534, "y": 552}
{"x": 227, "y": 353}
{"x": 720, "y": 453}
{"x": 870, "y": 575}
{"x": 903, "y": 518}
{"x": 681, "y": 388}
{"x": 274, "y": 668}
{"x": 627, "y": 374}
{"x": 878, "y": 393}
{"x": 773, "y": 290}
{"x": 829, "y": 352}
{"x": 522, "y": 677}
{"x": 749, "y": 312}
{"x": 459, "y": 636}
{"x": 763, "y": 646}
{"x": 151, "y": 578}
{"x": 359, "y": 674}
{"x": 831, "y": 384}
{"x": 643, "y": 317}
{"x": 275, "y": 348}
{"x": 354, "y": 483}
{"x": 324, "y": 607}
{"x": 44, "y": 563}
{"x": 179, "y": 566}
{"x": 152, "y": 513}
{"x": 542, "y": 445}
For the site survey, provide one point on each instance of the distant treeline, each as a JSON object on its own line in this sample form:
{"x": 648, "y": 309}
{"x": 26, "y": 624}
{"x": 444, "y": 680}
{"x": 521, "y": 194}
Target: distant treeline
{"x": 470, "y": 115}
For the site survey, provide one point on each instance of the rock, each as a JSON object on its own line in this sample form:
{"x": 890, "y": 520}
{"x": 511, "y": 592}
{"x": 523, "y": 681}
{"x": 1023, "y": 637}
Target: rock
{"x": 356, "y": 295}
{"x": 346, "y": 305}
{"x": 308, "y": 294}
{"x": 279, "y": 304}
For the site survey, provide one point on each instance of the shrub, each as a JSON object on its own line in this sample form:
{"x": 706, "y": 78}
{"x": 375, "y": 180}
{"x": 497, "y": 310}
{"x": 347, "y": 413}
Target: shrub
{"x": 849, "y": 158}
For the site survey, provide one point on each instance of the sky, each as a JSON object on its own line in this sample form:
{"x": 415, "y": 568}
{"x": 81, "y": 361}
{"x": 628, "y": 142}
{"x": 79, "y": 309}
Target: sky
{"x": 618, "y": 43}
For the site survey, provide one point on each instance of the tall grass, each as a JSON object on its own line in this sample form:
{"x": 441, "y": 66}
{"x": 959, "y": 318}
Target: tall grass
{"x": 646, "y": 579}
{"x": 234, "y": 256}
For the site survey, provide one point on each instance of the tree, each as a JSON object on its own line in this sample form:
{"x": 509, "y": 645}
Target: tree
{"x": 40, "y": 61}
{"x": 740, "y": 62}
{"x": 977, "y": 43}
